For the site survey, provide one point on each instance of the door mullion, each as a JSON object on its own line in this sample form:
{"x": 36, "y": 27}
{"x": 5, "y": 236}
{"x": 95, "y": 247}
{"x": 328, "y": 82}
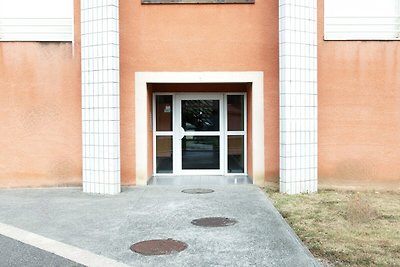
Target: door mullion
{"x": 203, "y": 133}
{"x": 177, "y": 141}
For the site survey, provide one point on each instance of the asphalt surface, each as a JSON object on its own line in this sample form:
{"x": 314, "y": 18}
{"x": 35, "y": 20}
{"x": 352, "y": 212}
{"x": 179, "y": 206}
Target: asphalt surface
{"x": 109, "y": 225}
{"x": 17, "y": 254}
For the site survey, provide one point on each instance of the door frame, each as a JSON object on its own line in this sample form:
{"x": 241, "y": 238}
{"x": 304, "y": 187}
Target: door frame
{"x": 142, "y": 124}
{"x": 176, "y": 132}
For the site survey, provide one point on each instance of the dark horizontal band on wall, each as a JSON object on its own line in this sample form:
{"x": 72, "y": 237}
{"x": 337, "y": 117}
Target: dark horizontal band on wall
{"x": 198, "y": 1}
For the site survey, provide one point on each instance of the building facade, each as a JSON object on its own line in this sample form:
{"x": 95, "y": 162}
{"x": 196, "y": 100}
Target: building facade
{"x": 108, "y": 93}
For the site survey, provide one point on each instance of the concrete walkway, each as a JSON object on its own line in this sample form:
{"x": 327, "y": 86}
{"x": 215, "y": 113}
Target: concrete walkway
{"x": 109, "y": 225}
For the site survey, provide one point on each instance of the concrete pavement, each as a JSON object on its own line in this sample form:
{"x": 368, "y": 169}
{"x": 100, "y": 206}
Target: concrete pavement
{"x": 109, "y": 225}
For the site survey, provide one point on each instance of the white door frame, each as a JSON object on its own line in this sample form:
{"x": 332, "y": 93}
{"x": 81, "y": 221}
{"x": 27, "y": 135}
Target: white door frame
{"x": 142, "y": 79}
{"x": 179, "y": 133}
{"x": 243, "y": 133}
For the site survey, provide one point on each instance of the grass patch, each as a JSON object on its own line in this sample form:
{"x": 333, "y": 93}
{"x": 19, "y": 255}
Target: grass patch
{"x": 345, "y": 228}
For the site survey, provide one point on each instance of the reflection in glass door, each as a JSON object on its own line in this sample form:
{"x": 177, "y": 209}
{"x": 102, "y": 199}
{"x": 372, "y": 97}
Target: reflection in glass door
{"x": 200, "y": 153}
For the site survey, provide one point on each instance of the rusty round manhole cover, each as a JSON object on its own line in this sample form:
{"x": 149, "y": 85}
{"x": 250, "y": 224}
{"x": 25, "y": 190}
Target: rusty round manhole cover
{"x": 214, "y": 222}
{"x": 198, "y": 191}
{"x": 158, "y": 247}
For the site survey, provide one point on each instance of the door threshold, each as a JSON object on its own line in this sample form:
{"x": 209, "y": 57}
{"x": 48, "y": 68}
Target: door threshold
{"x": 198, "y": 180}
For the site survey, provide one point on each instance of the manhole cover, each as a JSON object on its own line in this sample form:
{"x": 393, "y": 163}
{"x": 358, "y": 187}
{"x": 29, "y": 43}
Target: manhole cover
{"x": 158, "y": 247}
{"x": 197, "y": 191}
{"x": 214, "y": 222}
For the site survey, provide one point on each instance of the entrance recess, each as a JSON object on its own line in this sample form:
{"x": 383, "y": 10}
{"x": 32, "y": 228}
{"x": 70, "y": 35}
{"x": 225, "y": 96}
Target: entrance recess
{"x": 146, "y": 168}
{"x": 199, "y": 134}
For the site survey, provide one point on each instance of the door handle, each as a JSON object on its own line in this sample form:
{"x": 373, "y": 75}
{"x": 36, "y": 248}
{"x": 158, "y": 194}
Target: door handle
{"x": 181, "y": 133}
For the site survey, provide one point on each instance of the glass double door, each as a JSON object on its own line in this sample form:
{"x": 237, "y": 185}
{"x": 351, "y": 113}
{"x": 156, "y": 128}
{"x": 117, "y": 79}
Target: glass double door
{"x": 199, "y": 134}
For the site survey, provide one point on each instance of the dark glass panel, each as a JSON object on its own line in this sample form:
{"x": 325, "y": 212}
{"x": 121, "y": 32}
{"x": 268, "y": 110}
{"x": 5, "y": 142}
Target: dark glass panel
{"x": 164, "y": 154}
{"x": 235, "y": 113}
{"x": 200, "y": 115}
{"x": 235, "y": 154}
{"x": 164, "y": 114}
{"x": 200, "y": 153}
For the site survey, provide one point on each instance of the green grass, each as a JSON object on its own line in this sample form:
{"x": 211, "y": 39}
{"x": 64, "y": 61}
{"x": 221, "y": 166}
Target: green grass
{"x": 345, "y": 228}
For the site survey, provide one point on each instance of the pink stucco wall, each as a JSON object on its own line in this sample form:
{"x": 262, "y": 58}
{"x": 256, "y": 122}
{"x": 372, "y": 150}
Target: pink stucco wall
{"x": 40, "y": 113}
{"x": 359, "y": 111}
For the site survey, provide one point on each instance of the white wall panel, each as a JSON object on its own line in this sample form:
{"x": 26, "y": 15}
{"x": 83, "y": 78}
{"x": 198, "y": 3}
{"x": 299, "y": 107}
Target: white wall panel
{"x": 362, "y": 20}
{"x": 38, "y": 20}
{"x": 100, "y": 96}
{"x": 298, "y": 96}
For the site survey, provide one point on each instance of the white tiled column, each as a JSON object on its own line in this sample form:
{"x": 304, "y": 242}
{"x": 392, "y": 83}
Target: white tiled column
{"x": 100, "y": 96}
{"x": 298, "y": 96}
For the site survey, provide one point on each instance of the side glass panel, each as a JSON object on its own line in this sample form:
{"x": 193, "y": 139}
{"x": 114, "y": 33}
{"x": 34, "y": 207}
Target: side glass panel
{"x": 164, "y": 112}
{"x": 200, "y": 115}
{"x": 200, "y": 152}
{"x": 235, "y": 154}
{"x": 235, "y": 113}
{"x": 164, "y": 154}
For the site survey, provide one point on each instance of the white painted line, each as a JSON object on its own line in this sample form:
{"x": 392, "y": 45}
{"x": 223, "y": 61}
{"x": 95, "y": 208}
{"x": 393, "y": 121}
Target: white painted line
{"x": 66, "y": 251}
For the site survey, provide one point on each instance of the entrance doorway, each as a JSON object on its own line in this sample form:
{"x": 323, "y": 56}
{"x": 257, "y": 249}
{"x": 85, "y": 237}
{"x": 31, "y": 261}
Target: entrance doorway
{"x": 199, "y": 134}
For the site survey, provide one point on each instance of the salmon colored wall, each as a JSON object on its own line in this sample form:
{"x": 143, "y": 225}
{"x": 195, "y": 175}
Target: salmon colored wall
{"x": 359, "y": 111}
{"x": 224, "y": 37}
{"x": 40, "y": 113}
